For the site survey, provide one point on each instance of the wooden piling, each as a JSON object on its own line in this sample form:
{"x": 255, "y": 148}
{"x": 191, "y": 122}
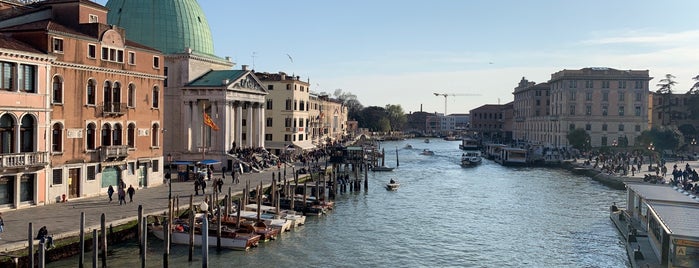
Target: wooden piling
{"x": 397, "y": 163}
{"x": 81, "y": 259}
{"x": 166, "y": 236}
{"x": 177, "y": 205}
{"x": 366, "y": 181}
{"x": 140, "y": 215}
{"x": 218, "y": 231}
{"x": 103, "y": 238}
{"x": 144, "y": 231}
{"x": 204, "y": 243}
{"x": 237, "y": 222}
{"x": 30, "y": 239}
{"x": 95, "y": 248}
{"x": 42, "y": 255}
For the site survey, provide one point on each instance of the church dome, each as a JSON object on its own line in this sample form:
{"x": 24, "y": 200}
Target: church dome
{"x": 170, "y": 26}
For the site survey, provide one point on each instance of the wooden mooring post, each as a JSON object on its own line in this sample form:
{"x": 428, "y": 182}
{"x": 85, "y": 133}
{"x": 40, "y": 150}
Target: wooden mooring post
{"x": 81, "y": 259}
{"x": 191, "y": 227}
{"x": 144, "y": 231}
{"x": 204, "y": 243}
{"x": 140, "y": 215}
{"x": 30, "y": 239}
{"x": 103, "y": 238}
{"x": 95, "y": 248}
{"x": 166, "y": 236}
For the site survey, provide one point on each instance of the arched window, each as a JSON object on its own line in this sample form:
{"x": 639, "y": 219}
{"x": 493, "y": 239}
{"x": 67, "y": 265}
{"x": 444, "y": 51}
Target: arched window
{"x": 26, "y": 134}
{"x": 91, "y": 86}
{"x": 57, "y": 94}
{"x": 107, "y": 93}
{"x": 131, "y": 102}
{"x": 106, "y": 134}
{"x": 156, "y": 97}
{"x": 90, "y": 135}
{"x": 57, "y": 137}
{"x": 131, "y": 136}
{"x": 6, "y": 137}
{"x": 116, "y": 93}
{"x": 155, "y": 131}
{"x": 116, "y": 135}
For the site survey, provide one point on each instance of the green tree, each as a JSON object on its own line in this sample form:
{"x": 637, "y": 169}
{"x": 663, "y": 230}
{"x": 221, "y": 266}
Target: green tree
{"x": 354, "y": 107}
{"x": 396, "y": 116}
{"x": 666, "y": 87}
{"x": 579, "y": 139}
{"x": 695, "y": 88}
{"x": 371, "y": 118}
{"x": 662, "y": 139}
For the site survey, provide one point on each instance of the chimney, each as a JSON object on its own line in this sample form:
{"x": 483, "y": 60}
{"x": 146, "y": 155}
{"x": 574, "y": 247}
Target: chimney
{"x": 225, "y": 82}
{"x": 245, "y": 67}
{"x": 283, "y": 75}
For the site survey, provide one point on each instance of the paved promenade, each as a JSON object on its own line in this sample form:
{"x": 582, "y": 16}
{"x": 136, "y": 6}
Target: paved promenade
{"x": 63, "y": 219}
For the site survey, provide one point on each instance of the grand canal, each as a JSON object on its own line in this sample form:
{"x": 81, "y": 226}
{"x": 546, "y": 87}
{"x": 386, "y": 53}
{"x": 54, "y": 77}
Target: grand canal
{"x": 442, "y": 216}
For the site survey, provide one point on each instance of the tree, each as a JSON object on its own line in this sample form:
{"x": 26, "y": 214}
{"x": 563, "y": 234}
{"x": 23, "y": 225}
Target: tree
{"x": 666, "y": 84}
{"x": 695, "y": 88}
{"x": 371, "y": 118}
{"x": 579, "y": 139}
{"x": 662, "y": 139}
{"x": 354, "y": 107}
{"x": 396, "y": 116}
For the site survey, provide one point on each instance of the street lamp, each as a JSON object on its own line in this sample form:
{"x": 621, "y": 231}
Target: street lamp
{"x": 614, "y": 143}
{"x": 169, "y": 176}
{"x": 694, "y": 142}
{"x": 651, "y": 148}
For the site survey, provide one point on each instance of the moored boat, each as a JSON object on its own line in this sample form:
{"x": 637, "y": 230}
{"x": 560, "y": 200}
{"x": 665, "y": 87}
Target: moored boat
{"x": 392, "y": 185}
{"x": 382, "y": 168}
{"x": 510, "y": 156}
{"x": 230, "y": 238}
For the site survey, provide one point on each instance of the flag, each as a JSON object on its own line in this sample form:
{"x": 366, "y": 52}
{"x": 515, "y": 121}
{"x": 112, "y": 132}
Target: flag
{"x": 209, "y": 122}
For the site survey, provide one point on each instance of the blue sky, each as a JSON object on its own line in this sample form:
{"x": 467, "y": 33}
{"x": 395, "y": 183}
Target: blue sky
{"x": 401, "y": 52}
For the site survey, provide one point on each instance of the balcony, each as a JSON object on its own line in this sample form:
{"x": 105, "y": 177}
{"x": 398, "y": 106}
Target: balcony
{"x": 113, "y": 108}
{"x": 553, "y": 117}
{"x": 520, "y": 119}
{"x": 114, "y": 153}
{"x": 23, "y": 160}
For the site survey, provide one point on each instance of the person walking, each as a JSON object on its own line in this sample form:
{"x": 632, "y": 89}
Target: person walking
{"x": 122, "y": 196}
{"x": 2, "y": 224}
{"x": 219, "y": 183}
{"x": 203, "y": 186}
{"x": 196, "y": 186}
{"x": 110, "y": 192}
{"x": 131, "y": 191}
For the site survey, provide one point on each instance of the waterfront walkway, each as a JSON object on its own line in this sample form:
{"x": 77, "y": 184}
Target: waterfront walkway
{"x": 63, "y": 219}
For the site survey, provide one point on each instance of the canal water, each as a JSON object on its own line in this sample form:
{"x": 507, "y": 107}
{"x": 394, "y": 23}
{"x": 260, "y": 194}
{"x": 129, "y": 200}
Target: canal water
{"x": 443, "y": 215}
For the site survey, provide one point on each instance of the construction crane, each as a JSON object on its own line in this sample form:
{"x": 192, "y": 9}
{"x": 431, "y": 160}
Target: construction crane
{"x": 445, "y": 95}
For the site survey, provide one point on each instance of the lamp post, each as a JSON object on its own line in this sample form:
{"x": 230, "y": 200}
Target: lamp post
{"x": 651, "y": 148}
{"x": 169, "y": 176}
{"x": 694, "y": 142}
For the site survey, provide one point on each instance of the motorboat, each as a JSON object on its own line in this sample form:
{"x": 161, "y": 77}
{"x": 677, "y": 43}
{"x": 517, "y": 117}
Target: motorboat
{"x": 392, "y": 185}
{"x": 382, "y": 168}
{"x": 295, "y": 219}
{"x": 427, "y": 140}
{"x": 427, "y": 152}
{"x": 471, "y": 158}
{"x": 408, "y": 146}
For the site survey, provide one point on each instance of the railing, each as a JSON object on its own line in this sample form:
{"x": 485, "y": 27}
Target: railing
{"x": 113, "y": 108}
{"x": 20, "y": 160}
{"x": 114, "y": 152}
{"x": 553, "y": 117}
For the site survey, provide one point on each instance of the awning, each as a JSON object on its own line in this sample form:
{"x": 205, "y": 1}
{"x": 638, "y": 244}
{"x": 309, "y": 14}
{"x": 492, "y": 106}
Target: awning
{"x": 304, "y": 145}
{"x": 209, "y": 162}
{"x": 182, "y": 163}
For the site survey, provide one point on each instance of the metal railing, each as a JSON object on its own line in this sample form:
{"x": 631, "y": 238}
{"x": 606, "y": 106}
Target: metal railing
{"x": 113, "y": 108}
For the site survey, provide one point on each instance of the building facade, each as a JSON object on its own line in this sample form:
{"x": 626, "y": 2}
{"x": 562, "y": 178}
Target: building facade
{"x": 610, "y": 105}
{"x": 531, "y": 111}
{"x": 104, "y": 95}
{"x": 489, "y": 122}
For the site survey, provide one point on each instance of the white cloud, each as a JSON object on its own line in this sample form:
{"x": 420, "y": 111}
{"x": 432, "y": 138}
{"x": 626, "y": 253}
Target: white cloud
{"x": 645, "y": 37}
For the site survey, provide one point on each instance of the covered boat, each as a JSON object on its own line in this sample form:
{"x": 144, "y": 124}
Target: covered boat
{"x": 471, "y": 158}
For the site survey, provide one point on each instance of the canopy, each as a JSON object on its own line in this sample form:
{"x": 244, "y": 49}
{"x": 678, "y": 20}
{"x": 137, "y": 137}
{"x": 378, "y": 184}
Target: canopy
{"x": 182, "y": 163}
{"x": 209, "y": 162}
{"x": 304, "y": 145}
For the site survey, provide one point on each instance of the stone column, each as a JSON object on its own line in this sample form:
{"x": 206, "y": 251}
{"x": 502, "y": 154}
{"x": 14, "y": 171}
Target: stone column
{"x": 18, "y": 138}
{"x": 239, "y": 124}
{"x": 249, "y": 122}
{"x": 227, "y": 126}
{"x": 187, "y": 128}
{"x": 263, "y": 125}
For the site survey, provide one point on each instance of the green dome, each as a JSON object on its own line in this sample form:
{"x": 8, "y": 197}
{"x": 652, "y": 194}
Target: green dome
{"x": 170, "y": 26}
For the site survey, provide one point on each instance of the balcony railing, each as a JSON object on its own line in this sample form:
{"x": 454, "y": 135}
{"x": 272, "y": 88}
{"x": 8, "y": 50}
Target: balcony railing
{"x": 21, "y": 160}
{"x": 114, "y": 152}
{"x": 113, "y": 108}
{"x": 553, "y": 117}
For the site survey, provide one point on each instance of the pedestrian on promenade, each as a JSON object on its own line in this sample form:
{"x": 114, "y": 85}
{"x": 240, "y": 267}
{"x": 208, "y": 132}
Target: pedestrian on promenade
{"x": 110, "y": 192}
{"x": 122, "y": 196}
{"x": 196, "y": 186}
{"x": 219, "y": 183}
{"x": 131, "y": 191}
{"x": 203, "y": 186}
{"x": 223, "y": 173}
{"x": 2, "y": 224}
{"x": 209, "y": 172}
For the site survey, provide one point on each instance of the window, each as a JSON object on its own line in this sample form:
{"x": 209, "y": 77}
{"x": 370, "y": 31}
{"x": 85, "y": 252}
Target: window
{"x": 106, "y": 134}
{"x": 588, "y": 127}
{"x": 116, "y": 134}
{"x": 588, "y": 84}
{"x": 621, "y": 96}
{"x": 156, "y": 97}
{"x": 302, "y": 106}
{"x": 268, "y": 137}
{"x": 604, "y": 141}
{"x": 93, "y": 18}
{"x": 131, "y": 166}
{"x": 91, "y": 51}
{"x": 57, "y": 93}
{"x": 165, "y": 74}
{"x": 131, "y": 136}
{"x": 288, "y": 104}
{"x": 638, "y": 128}
{"x": 90, "y": 135}
{"x": 26, "y": 134}
{"x": 269, "y": 104}
{"x": 270, "y": 87}
{"x": 120, "y": 56}
{"x": 296, "y": 106}
{"x": 604, "y": 127}
{"x": 269, "y": 121}
{"x": 7, "y": 140}
{"x": 572, "y": 95}
{"x": 287, "y": 122}
{"x": 112, "y": 54}
{"x": 588, "y": 96}
{"x": 287, "y": 137}
{"x": 27, "y": 78}
{"x": 244, "y": 122}
{"x": 57, "y": 138}
{"x": 621, "y": 110}
{"x": 604, "y": 110}
{"x": 57, "y": 45}
{"x": 91, "y": 85}
{"x": 91, "y": 171}
{"x": 57, "y": 176}
{"x": 132, "y": 58}
{"x": 156, "y": 62}
{"x": 105, "y": 53}
{"x": 156, "y": 165}
{"x": 154, "y": 135}
{"x": 605, "y": 84}
{"x": 638, "y": 85}
{"x": 621, "y": 127}
{"x": 7, "y": 75}
{"x": 637, "y": 111}
{"x": 572, "y": 109}
{"x": 571, "y": 127}
{"x": 638, "y": 96}
{"x": 588, "y": 109}
{"x": 131, "y": 96}
{"x": 538, "y": 102}
{"x": 605, "y": 96}
{"x": 288, "y": 86}
{"x": 622, "y": 84}
{"x": 245, "y": 136}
